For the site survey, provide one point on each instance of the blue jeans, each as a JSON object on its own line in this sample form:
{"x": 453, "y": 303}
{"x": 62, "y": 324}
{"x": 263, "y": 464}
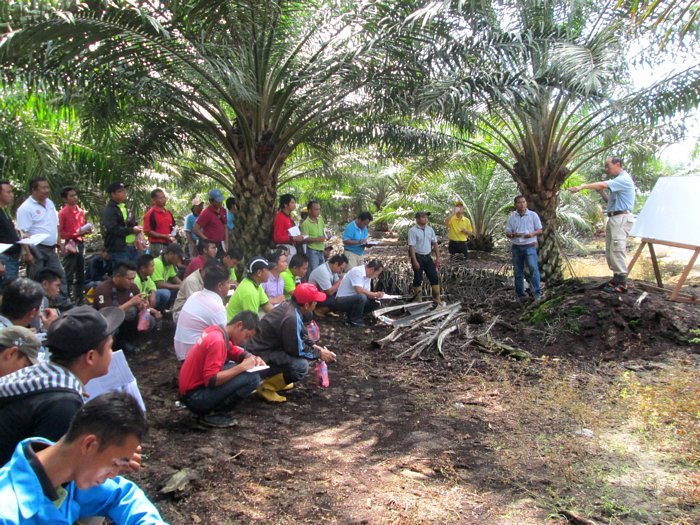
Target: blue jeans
{"x": 315, "y": 259}
{"x": 293, "y": 368}
{"x": 522, "y": 255}
{"x": 11, "y": 269}
{"x": 162, "y": 299}
{"x": 222, "y": 397}
{"x": 130, "y": 254}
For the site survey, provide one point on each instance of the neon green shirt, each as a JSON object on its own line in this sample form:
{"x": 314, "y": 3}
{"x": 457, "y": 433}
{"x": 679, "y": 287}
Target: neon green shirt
{"x": 232, "y": 275}
{"x": 314, "y": 230}
{"x": 131, "y": 237}
{"x": 145, "y": 287}
{"x": 248, "y": 296}
{"x": 290, "y": 282}
{"x": 162, "y": 271}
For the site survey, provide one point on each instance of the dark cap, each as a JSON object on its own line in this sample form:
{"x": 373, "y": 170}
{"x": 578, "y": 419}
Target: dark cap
{"x": 81, "y": 329}
{"x": 115, "y": 186}
{"x": 421, "y": 213}
{"x": 258, "y": 263}
{"x": 22, "y": 338}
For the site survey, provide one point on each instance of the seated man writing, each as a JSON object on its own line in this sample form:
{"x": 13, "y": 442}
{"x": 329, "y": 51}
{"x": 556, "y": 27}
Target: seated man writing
{"x": 214, "y": 376}
{"x": 283, "y": 343}
{"x": 165, "y": 268}
{"x": 358, "y": 283}
{"x": 249, "y": 294}
{"x": 78, "y": 477}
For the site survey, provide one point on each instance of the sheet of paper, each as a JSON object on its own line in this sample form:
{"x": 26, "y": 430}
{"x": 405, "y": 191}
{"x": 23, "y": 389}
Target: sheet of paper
{"x": 34, "y": 239}
{"x": 389, "y": 297}
{"x": 4, "y": 247}
{"x": 294, "y": 231}
{"x": 119, "y": 378}
{"x": 372, "y": 243}
{"x": 257, "y": 369}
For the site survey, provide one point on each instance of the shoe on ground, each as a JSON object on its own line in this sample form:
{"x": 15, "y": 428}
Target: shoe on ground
{"x": 217, "y": 421}
{"x": 615, "y": 288}
{"x": 358, "y": 324}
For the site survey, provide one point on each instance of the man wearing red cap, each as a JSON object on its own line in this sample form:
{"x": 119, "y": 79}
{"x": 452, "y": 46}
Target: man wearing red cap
{"x": 283, "y": 343}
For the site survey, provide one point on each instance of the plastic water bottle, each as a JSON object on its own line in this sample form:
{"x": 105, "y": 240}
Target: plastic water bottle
{"x": 312, "y": 331}
{"x": 322, "y": 374}
{"x": 144, "y": 320}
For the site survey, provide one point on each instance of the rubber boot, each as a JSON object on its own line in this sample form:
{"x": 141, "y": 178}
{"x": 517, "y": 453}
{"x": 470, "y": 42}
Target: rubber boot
{"x": 288, "y": 387}
{"x": 417, "y": 294}
{"x": 436, "y": 294}
{"x": 269, "y": 387}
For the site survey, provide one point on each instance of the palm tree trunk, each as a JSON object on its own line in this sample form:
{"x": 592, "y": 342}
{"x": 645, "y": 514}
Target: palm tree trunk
{"x": 256, "y": 195}
{"x": 550, "y": 259}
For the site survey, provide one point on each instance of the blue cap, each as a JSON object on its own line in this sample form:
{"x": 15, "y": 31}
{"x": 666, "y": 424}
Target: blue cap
{"x": 216, "y": 195}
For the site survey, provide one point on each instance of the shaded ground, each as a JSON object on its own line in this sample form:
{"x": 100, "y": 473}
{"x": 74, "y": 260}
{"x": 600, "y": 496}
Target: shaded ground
{"x": 472, "y": 438}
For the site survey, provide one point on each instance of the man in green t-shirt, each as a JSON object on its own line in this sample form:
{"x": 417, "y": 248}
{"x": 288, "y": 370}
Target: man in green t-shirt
{"x": 250, "y": 295}
{"x": 314, "y": 228}
{"x": 295, "y": 272}
{"x": 165, "y": 271}
{"x": 157, "y": 298}
{"x": 231, "y": 259}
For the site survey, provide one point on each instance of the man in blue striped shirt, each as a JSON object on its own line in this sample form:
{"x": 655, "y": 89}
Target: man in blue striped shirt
{"x": 522, "y": 229}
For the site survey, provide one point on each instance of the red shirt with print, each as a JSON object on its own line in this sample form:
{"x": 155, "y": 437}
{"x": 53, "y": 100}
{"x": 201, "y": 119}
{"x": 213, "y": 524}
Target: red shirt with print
{"x": 213, "y": 223}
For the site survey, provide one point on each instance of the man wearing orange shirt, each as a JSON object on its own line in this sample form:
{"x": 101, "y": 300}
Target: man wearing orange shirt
{"x": 158, "y": 223}
{"x": 71, "y": 228}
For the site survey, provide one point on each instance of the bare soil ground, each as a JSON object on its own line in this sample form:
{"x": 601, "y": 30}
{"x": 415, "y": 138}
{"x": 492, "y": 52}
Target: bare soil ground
{"x": 595, "y": 425}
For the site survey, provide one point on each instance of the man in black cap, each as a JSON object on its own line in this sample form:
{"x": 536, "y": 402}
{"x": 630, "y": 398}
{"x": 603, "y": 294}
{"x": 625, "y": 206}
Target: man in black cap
{"x": 40, "y": 400}
{"x": 422, "y": 241}
{"x": 19, "y": 348}
{"x": 119, "y": 227}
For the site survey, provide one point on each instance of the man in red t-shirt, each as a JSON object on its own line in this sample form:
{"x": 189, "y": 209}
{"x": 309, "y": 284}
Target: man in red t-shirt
{"x": 207, "y": 251}
{"x": 211, "y": 223}
{"x": 283, "y": 222}
{"x": 159, "y": 223}
{"x": 71, "y": 228}
{"x": 214, "y": 376}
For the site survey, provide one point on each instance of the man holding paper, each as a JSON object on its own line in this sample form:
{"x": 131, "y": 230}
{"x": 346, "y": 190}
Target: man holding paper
{"x": 355, "y": 239}
{"x": 284, "y": 231}
{"x": 218, "y": 373}
{"x": 71, "y": 228}
{"x": 522, "y": 229}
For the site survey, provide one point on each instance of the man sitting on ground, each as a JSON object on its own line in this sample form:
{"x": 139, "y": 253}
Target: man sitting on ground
{"x": 51, "y": 285}
{"x": 40, "y": 400}
{"x": 282, "y": 342}
{"x": 193, "y": 283}
{"x": 157, "y": 299}
{"x": 77, "y": 477}
{"x": 21, "y": 304}
{"x": 206, "y": 251}
{"x": 203, "y": 309}
{"x": 213, "y": 377}
{"x": 358, "y": 283}
{"x": 99, "y": 268}
{"x": 19, "y": 348}
{"x": 165, "y": 270}
{"x": 231, "y": 259}
{"x": 121, "y": 291}
{"x": 250, "y": 294}
{"x": 327, "y": 278}
{"x": 295, "y": 272}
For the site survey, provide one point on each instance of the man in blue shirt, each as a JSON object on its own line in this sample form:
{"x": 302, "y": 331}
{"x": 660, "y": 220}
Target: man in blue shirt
{"x": 355, "y": 239}
{"x": 620, "y": 201}
{"x": 78, "y": 476}
{"x": 522, "y": 229}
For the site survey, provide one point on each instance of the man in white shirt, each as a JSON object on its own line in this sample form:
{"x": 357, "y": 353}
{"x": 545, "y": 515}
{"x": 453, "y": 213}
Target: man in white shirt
{"x": 202, "y": 310}
{"x": 327, "y": 279}
{"x": 38, "y": 215}
{"x": 522, "y": 229}
{"x": 422, "y": 242}
{"x": 356, "y": 287}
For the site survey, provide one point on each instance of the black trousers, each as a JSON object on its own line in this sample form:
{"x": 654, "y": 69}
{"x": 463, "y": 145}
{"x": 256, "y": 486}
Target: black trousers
{"x": 455, "y": 247}
{"x": 74, "y": 265}
{"x": 427, "y": 266}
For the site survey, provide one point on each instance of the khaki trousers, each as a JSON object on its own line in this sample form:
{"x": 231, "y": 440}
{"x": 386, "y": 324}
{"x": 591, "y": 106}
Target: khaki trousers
{"x": 616, "y": 233}
{"x": 353, "y": 259}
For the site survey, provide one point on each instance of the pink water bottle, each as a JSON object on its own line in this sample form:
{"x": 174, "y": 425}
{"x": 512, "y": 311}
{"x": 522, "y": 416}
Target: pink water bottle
{"x": 322, "y": 374}
{"x": 144, "y": 320}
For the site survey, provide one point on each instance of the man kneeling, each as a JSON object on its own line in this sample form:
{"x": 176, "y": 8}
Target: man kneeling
{"x": 78, "y": 476}
{"x": 214, "y": 375}
{"x": 283, "y": 343}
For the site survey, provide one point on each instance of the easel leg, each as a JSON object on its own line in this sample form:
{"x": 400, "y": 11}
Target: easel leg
{"x": 636, "y": 256}
{"x": 655, "y": 264}
{"x": 684, "y": 275}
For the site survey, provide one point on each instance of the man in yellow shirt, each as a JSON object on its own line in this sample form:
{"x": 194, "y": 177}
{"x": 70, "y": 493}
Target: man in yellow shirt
{"x": 459, "y": 228}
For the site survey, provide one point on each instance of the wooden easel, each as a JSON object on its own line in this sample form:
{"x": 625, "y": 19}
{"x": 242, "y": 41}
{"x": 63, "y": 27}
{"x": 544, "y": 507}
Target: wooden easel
{"x": 676, "y": 294}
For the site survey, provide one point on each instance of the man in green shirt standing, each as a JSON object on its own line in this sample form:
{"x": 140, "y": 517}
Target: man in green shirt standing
{"x": 314, "y": 228}
{"x": 165, "y": 271}
{"x": 250, "y": 295}
{"x": 295, "y": 272}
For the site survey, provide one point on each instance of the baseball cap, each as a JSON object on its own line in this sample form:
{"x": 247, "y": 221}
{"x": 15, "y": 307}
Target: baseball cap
{"x": 216, "y": 195}
{"x": 81, "y": 329}
{"x": 258, "y": 263}
{"x": 422, "y": 212}
{"x": 306, "y": 293}
{"x": 197, "y": 201}
{"x": 24, "y": 339}
{"x": 115, "y": 186}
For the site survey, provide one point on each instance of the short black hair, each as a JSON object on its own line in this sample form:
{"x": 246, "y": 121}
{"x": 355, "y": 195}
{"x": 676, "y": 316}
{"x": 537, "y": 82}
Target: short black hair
{"x": 518, "y": 197}
{"x": 47, "y": 274}
{"x": 616, "y": 160}
{"x": 234, "y": 253}
{"x": 5, "y": 182}
{"x": 174, "y": 248}
{"x": 286, "y": 199}
{"x": 230, "y": 201}
{"x": 143, "y": 260}
{"x": 155, "y": 192}
{"x": 338, "y": 259}
{"x": 365, "y": 216}
{"x": 375, "y": 264}
{"x": 311, "y": 203}
{"x": 34, "y": 182}
{"x": 66, "y": 190}
{"x": 274, "y": 256}
{"x": 298, "y": 260}
{"x": 249, "y": 319}
{"x": 20, "y": 297}
{"x": 214, "y": 276}
{"x": 202, "y": 245}
{"x": 123, "y": 267}
{"x": 112, "y": 417}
